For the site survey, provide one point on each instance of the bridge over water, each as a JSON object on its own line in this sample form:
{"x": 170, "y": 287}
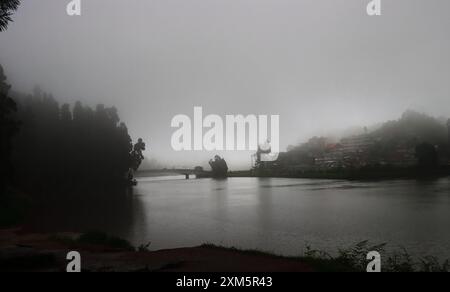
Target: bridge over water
{"x": 188, "y": 173}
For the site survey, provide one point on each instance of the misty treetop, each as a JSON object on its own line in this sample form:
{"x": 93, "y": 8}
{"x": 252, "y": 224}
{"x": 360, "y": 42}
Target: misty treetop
{"x": 59, "y": 147}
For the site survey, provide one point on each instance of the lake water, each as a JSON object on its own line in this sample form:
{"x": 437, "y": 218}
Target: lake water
{"x": 269, "y": 214}
{"x": 285, "y": 215}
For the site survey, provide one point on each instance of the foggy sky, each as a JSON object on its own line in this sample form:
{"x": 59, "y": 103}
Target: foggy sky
{"x": 322, "y": 65}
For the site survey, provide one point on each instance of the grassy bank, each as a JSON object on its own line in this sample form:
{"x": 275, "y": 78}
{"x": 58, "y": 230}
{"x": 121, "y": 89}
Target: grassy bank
{"x": 101, "y": 252}
{"x": 353, "y": 259}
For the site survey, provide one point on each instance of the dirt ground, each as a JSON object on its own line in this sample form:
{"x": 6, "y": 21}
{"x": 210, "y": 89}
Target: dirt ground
{"x": 23, "y": 251}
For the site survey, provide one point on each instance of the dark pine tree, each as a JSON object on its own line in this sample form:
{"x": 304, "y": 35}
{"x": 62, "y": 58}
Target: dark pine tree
{"x": 8, "y": 127}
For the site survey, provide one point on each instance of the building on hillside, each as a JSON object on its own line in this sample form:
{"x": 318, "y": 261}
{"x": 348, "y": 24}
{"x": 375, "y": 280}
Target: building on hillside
{"x": 357, "y": 144}
{"x": 351, "y": 152}
{"x": 332, "y": 158}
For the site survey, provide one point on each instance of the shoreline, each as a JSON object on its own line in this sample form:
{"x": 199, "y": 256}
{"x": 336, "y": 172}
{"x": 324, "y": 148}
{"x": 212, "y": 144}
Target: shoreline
{"x": 382, "y": 173}
{"x": 363, "y": 174}
{"x": 41, "y": 252}
{"x": 22, "y": 251}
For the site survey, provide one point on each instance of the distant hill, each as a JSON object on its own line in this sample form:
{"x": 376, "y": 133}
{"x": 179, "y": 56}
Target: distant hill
{"x": 413, "y": 128}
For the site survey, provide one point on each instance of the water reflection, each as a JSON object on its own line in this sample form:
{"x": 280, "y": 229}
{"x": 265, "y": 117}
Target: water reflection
{"x": 283, "y": 215}
{"x": 276, "y": 215}
{"x": 114, "y": 212}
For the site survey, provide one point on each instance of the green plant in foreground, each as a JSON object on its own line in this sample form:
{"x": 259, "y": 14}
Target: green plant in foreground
{"x": 353, "y": 259}
{"x": 144, "y": 247}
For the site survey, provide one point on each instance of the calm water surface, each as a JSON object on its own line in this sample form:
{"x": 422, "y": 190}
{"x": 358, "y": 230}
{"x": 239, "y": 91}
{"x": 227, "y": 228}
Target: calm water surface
{"x": 284, "y": 215}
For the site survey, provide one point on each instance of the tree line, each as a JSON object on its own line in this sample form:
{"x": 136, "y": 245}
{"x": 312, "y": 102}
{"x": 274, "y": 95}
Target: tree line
{"x": 51, "y": 147}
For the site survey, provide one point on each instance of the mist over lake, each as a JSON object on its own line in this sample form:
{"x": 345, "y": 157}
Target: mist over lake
{"x": 225, "y": 136}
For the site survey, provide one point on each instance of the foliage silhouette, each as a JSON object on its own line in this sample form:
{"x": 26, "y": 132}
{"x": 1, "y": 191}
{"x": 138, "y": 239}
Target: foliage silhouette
{"x": 136, "y": 154}
{"x": 8, "y": 127}
{"x": 6, "y": 9}
{"x": 219, "y": 167}
{"x": 59, "y": 149}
